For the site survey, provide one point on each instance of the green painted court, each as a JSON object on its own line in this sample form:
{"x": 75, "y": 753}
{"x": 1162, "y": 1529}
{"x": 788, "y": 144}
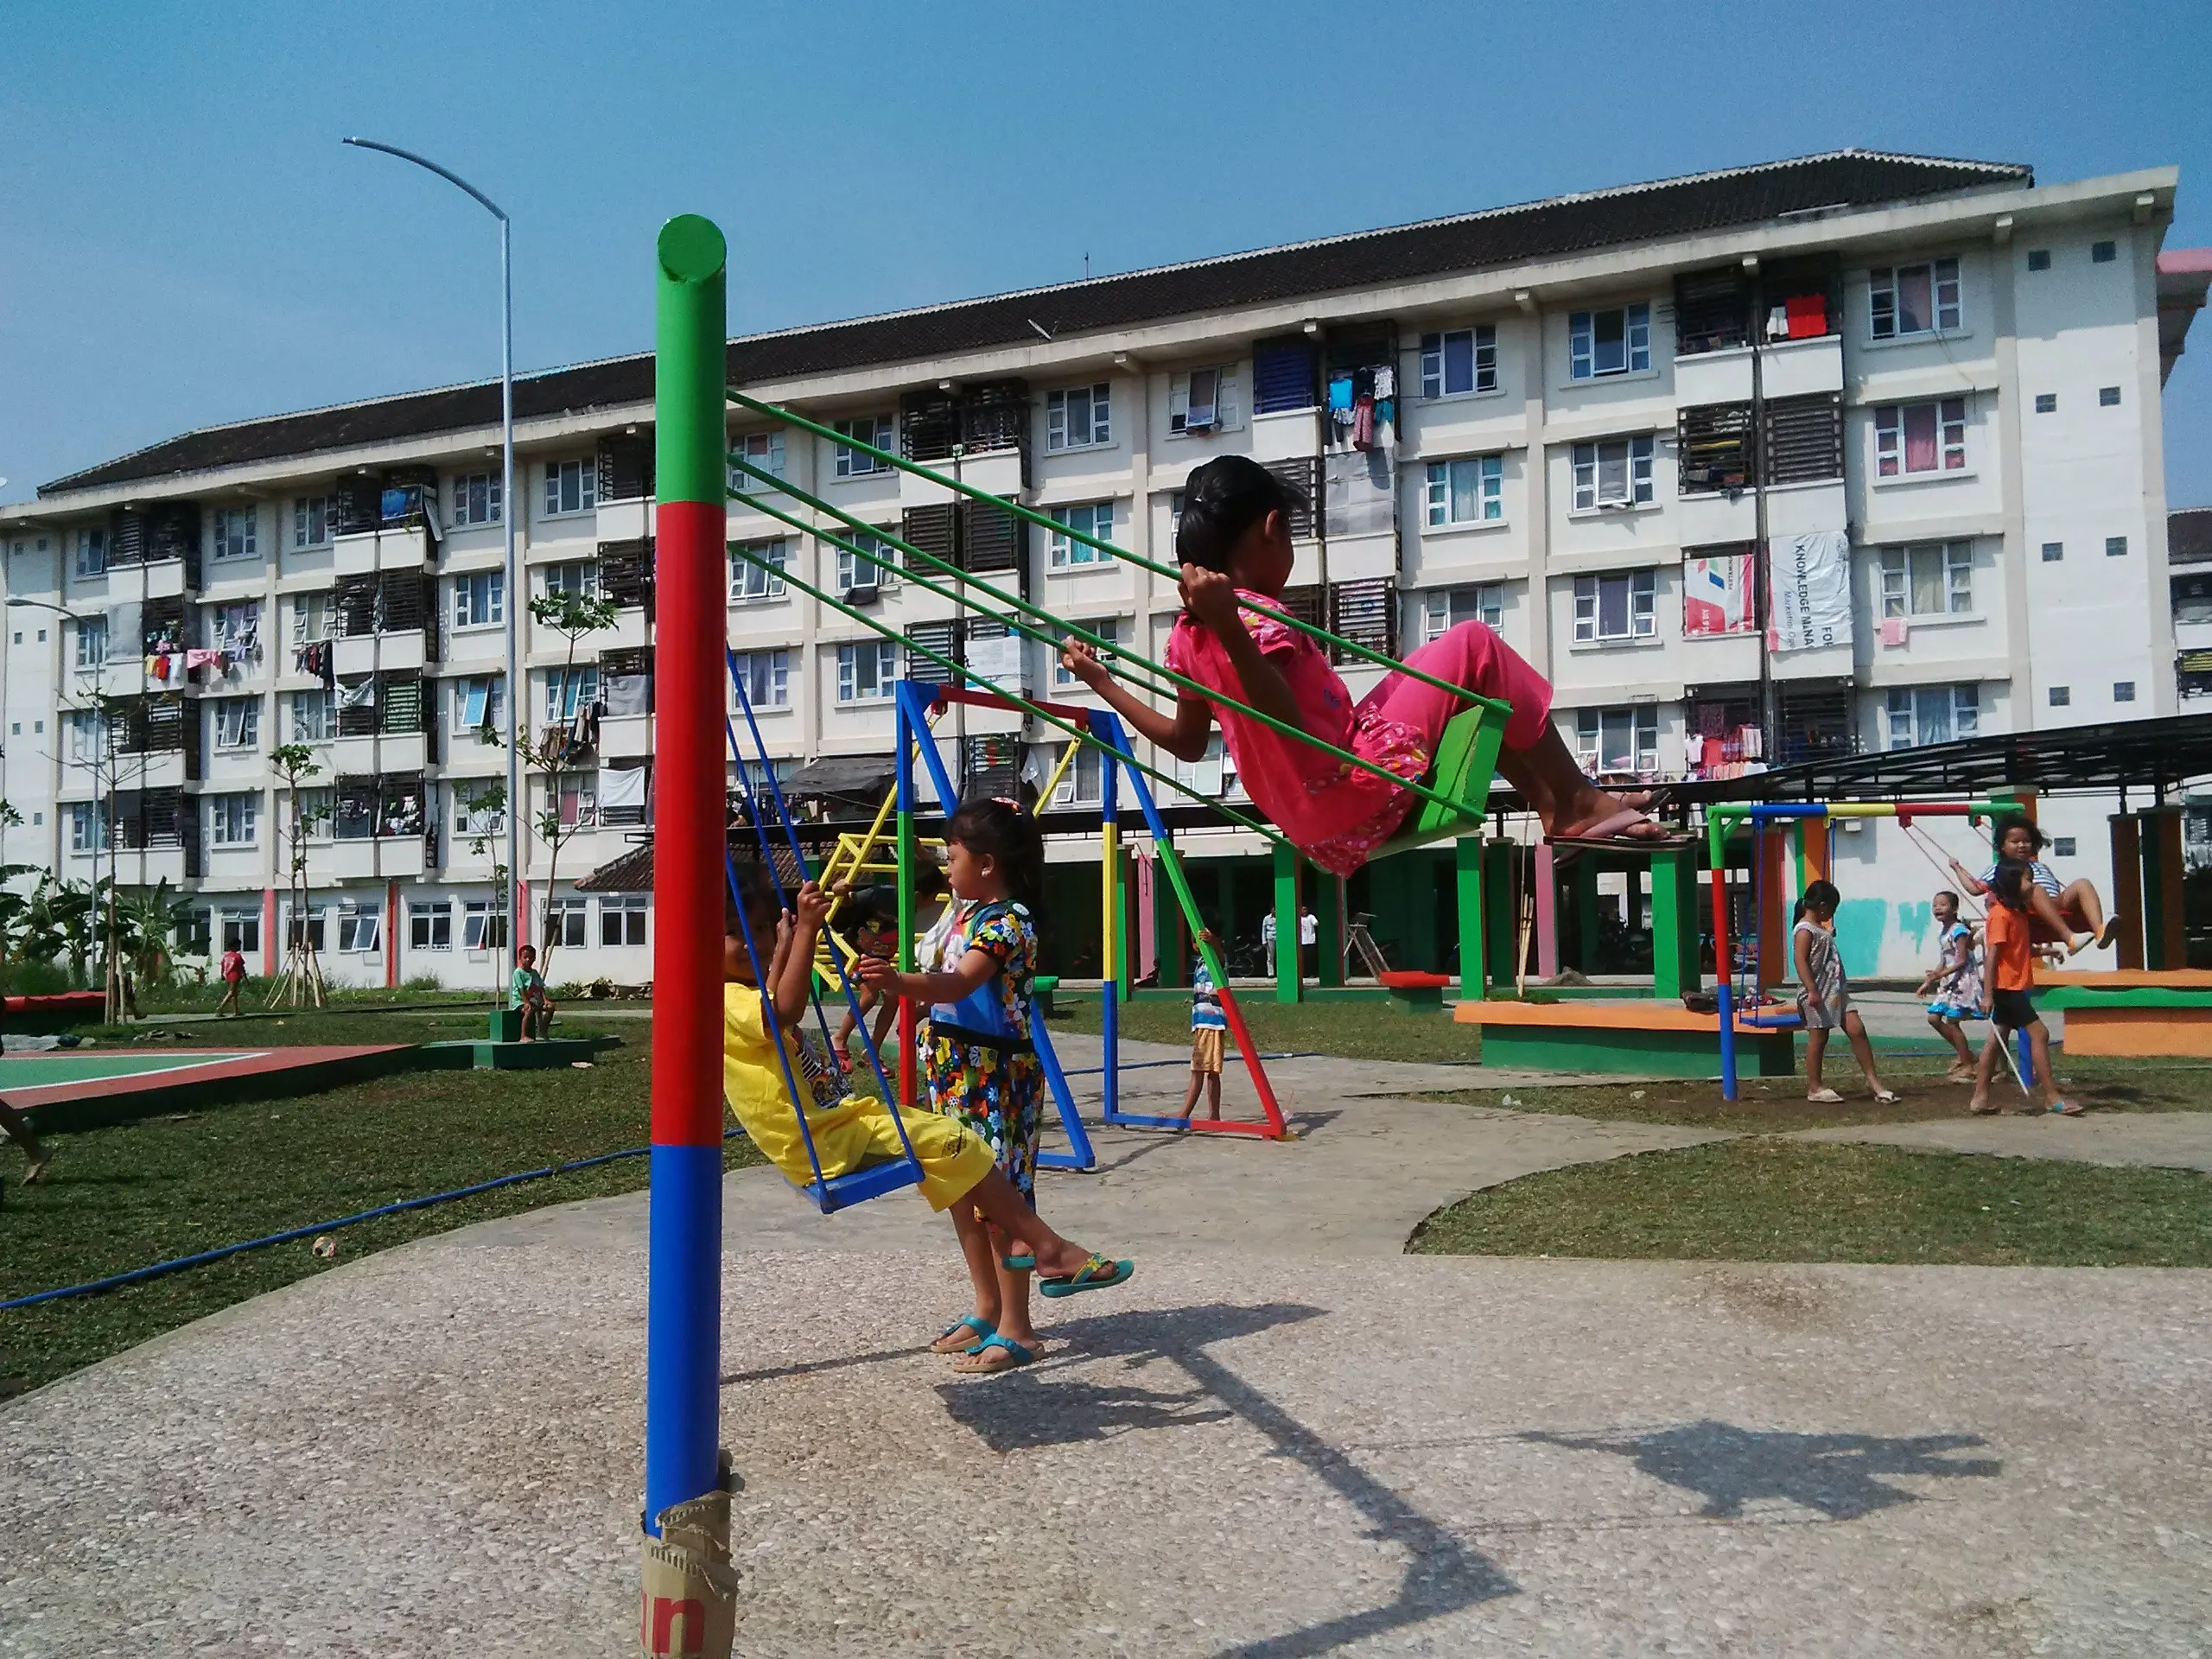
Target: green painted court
{"x": 97, "y": 1065}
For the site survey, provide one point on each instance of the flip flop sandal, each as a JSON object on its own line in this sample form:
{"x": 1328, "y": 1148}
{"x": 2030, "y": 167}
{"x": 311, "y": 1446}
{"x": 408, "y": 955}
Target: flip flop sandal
{"x": 2068, "y": 1108}
{"x": 1989, "y": 1110}
{"x": 1612, "y": 832}
{"x": 1824, "y": 1097}
{"x": 1887, "y": 1097}
{"x": 1019, "y": 1263}
{"x": 1017, "y": 1356}
{"x": 981, "y": 1328}
{"x": 1097, "y": 1274}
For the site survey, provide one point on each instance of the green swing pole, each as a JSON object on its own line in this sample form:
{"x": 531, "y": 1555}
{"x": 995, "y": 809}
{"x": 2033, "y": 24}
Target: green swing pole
{"x": 1344, "y": 756}
{"x": 1313, "y": 630}
{"x": 1014, "y": 698}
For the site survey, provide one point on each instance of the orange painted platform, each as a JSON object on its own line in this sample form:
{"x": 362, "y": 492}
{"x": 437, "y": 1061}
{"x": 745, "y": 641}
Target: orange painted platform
{"x": 2131, "y": 1033}
{"x": 1604, "y": 1016}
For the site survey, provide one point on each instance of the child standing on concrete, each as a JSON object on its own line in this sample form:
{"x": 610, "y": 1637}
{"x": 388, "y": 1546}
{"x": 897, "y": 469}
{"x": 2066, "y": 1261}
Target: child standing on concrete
{"x": 1824, "y": 996}
{"x": 2010, "y": 934}
{"x": 1209, "y": 1031}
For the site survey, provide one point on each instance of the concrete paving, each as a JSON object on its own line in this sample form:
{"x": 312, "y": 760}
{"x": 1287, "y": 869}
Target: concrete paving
{"x": 2161, "y": 1139}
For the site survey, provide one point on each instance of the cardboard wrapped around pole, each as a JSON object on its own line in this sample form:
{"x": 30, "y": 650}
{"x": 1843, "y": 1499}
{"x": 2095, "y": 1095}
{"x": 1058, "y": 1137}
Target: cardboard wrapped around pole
{"x": 688, "y": 1596}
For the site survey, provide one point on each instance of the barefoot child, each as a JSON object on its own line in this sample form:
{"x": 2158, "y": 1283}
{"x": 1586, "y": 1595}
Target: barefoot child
{"x": 1209, "y": 1030}
{"x": 1234, "y": 546}
{"x": 849, "y": 1134}
{"x": 980, "y": 1067}
{"x": 233, "y": 974}
{"x": 2072, "y": 914}
{"x": 1824, "y": 996}
{"x": 526, "y": 992}
{"x": 2010, "y": 944}
{"x": 1955, "y": 984}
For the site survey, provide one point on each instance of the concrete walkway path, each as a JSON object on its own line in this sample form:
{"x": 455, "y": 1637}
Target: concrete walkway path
{"x": 2160, "y": 1140}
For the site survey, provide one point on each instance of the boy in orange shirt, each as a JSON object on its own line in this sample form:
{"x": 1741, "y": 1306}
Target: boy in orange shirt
{"x": 2009, "y": 947}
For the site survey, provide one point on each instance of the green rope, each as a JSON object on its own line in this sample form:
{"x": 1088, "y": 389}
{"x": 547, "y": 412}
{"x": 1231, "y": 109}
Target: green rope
{"x": 1015, "y": 698}
{"x": 1342, "y": 757}
{"x": 1314, "y": 630}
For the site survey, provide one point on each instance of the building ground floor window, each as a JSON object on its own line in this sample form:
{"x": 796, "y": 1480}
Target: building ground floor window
{"x": 622, "y": 918}
{"x": 429, "y": 925}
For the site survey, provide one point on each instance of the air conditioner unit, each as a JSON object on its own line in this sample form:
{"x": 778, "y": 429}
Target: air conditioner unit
{"x": 863, "y": 593}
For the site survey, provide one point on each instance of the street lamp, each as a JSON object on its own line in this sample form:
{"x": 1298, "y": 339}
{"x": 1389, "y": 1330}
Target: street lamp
{"x": 507, "y": 509}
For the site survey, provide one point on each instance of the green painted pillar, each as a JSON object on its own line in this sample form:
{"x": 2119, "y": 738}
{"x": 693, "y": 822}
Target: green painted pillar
{"x": 1124, "y": 966}
{"x": 1583, "y": 873}
{"x": 1673, "y": 922}
{"x": 1329, "y": 911}
{"x": 1467, "y": 869}
{"x": 1170, "y": 940}
{"x": 1503, "y": 931}
{"x": 1289, "y": 987}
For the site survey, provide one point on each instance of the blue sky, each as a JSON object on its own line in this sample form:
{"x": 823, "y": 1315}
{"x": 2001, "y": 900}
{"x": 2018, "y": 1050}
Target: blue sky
{"x": 183, "y": 241}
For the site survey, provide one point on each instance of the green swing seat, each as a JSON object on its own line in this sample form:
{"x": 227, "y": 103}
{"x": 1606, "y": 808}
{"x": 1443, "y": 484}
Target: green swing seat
{"x": 1466, "y": 758}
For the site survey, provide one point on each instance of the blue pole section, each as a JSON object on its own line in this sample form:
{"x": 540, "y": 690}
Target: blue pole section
{"x": 1111, "y": 918}
{"x": 1080, "y": 1154}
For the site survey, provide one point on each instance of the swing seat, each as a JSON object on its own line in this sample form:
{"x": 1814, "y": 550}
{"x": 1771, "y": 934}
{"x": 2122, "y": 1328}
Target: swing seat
{"x": 859, "y": 1185}
{"x": 1466, "y": 758}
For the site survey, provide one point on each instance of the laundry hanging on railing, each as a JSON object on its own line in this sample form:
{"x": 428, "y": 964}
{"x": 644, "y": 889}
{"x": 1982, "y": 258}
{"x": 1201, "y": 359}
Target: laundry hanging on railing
{"x": 362, "y": 693}
{"x": 627, "y": 694}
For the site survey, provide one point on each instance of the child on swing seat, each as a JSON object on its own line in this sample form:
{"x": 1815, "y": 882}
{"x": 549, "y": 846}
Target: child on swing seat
{"x": 2072, "y": 915}
{"x": 855, "y": 1131}
{"x": 1234, "y": 546}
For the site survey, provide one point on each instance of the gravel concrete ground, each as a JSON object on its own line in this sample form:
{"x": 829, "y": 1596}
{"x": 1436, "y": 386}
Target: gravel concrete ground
{"x": 2161, "y": 1139}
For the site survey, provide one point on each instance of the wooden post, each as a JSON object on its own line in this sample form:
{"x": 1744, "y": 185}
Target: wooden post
{"x": 1290, "y": 985}
{"x": 2163, "y": 945}
{"x": 1816, "y": 860}
{"x": 1673, "y": 922}
{"x": 1467, "y": 870}
{"x": 2126, "y": 890}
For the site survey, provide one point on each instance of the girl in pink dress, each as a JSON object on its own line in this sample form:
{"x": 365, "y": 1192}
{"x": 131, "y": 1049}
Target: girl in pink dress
{"x": 1234, "y": 546}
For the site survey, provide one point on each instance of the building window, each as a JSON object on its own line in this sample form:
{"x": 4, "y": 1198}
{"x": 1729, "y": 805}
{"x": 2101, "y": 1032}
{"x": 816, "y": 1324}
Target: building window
{"x": 567, "y": 922}
{"x": 2038, "y": 258}
{"x": 1114, "y": 629}
{"x": 2062, "y": 697}
{"x": 313, "y": 616}
{"x": 1615, "y": 473}
{"x": 429, "y": 925}
{"x": 880, "y": 431}
{"x": 1091, "y": 519}
{"x": 1921, "y": 299}
{"x": 571, "y": 486}
{"x": 233, "y": 820}
{"x": 1079, "y": 419}
{"x": 2062, "y": 846}
{"x": 1912, "y": 440}
{"x": 2115, "y": 547}
{"x": 237, "y": 723}
{"x": 577, "y": 803}
{"x": 765, "y": 450}
{"x": 234, "y": 629}
{"x": 2108, "y": 396}
{"x": 476, "y": 498}
{"x": 1203, "y": 400}
{"x": 766, "y": 676}
{"x": 2123, "y": 690}
{"x": 872, "y": 566}
{"x": 1934, "y": 580}
{"x": 1459, "y": 361}
{"x": 480, "y": 600}
{"x": 2053, "y": 552}
{"x": 480, "y": 703}
{"x": 1468, "y": 491}
{"x": 1618, "y": 741}
{"x": 91, "y": 552}
{"x": 1083, "y": 783}
{"x": 748, "y": 580}
{"x": 471, "y": 816}
{"x": 313, "y": 517}
{"x": 577, "y": 580}
{"x": 622, "y": 918}
{"x": 87, "y": 827}
{"x": 1445, "y": 608}
{"x": 1921, "y": 714}
{"x": 481, "y": 928}
{"x": 2103, "y": 253}
{"x": 359, "y": 925}
{"x": 2046, "y": 403}
{"x": 865, "y": 671}
{"x": 567, "y": 689}
{"x": 1614, "y": 341}
{"x": 92, "y": 641}
{"x": 314, "y": 715}
{"x": 1617, "y": 607}
{"x": 242, "y": 930}
{"x": 318, "y": 813}
{"x": 81, "y": 730}
{"x": 234, "y": 533}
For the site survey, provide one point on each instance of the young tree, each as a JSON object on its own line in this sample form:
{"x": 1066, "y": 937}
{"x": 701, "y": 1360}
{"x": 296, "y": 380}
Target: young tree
{"x": 294, "y": 763}
{"x": 557, "y": 748}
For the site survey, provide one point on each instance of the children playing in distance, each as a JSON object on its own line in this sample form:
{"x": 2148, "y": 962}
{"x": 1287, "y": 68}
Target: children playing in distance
{"x": 1235, "y": 548}
{"x": 1209, "y": 1031}
{"x": 2008, "y": 934}
{"x": 982, "y": 1073}
{"x": 1954, "y": 985}
{"x": 854, "y": 1131}
{"x": 1824, "y": 994}
{"x": 2073, "y": 914}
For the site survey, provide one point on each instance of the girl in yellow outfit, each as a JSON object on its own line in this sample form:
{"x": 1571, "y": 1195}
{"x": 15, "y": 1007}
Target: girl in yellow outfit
{"x": 856, "y": 1130}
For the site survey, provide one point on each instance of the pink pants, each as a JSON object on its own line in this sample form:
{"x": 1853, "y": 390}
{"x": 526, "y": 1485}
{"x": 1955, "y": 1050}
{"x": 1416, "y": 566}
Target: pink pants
{"x": 1473, "y": 655}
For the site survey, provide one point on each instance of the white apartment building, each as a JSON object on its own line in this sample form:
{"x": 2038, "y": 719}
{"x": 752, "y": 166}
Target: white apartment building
{"x": 1577, "y": 420}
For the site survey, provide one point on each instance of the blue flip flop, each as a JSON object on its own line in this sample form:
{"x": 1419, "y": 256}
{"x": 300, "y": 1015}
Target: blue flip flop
{"x": 1097, "y": 1274}
{"x": 1019, "y": 1263}
{"x": 985, "y": 1332}
{"x": 1017, "y": 1356}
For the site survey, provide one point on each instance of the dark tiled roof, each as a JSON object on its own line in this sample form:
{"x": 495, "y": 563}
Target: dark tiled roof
{"x": 1503, "y": 236}
{"x": 2189, "y": 536}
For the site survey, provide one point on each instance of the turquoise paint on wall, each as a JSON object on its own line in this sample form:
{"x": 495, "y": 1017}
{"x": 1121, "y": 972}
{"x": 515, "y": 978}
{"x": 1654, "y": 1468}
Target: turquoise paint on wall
{"x": 1859, "y": 925}
{"x": 1914, "y": 921}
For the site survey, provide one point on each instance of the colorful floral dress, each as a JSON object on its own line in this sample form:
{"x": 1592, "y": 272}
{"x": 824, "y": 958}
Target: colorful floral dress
{"x": 1958, "y": 993}
{"x": 978, "y": 1064}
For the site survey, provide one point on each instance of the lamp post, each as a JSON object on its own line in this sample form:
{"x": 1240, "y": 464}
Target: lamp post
{"x": 507, "y": 510}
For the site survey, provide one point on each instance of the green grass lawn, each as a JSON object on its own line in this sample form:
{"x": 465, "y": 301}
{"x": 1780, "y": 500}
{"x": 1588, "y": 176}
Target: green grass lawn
{"x": 126, "y": 1196}
{"x": 1768, "y": 1199}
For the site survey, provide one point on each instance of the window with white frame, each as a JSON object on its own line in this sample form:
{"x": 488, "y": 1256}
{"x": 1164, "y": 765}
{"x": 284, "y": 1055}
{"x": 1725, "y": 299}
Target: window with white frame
{"x": 1922, "y": 299}
{"x": 82, "y": 730}
{"x": 766, "y": 676}
{"x": 1115, "y": 630}
{"x": 1936, "y": 579}
{"x": 1916, "y": 439}
{"x": 315, "y": 616}
{"x": 429, "y": 925}
{"x": 1083, "y": 783}
{"x": 233, "y": 820}
{"x": 577, "y": 579}
{"x": 479, "y": 701}
{"x": 1208, "y": 775}
{"x": 479, "y": 599}
{"x": 482, "y": 927}
{"x": 764, "y": 450}
{"x": 1458, "y": 361}
{"x": 1469, "y": 490}
{"x": 314, "y": 517}
{"x": 748, "y": 580}
{"x": 1619, "y": 741}
{"x": 865, "y": 671}
{"x": 1204, "y": 400}
{"x": 1616, "y": 341}
{"x": 92, "y": 641}
{"x": 567, "y": 689}
{"x": 91, "y": 552}
{"x": 476, "y": 498}
{"x": 234, "y": 535}
{"x": 1920, "y": 714}
{"x": 237, "y": 723}
{"x": 359, "y": 926}
{"x": 1616, "y": 607}
{"x": 241, "y": 929}
{"x": 303, "y": 933}
{"x": 571, "y": 486}
{"x": 1614, "y": 474}
{"x": 1443, "y": 609}
{"x": 318, "y": 815}
{"x": 313, "y": 715}
{"x": 879, "y": 430}
{"x": 235, "y": 627}
{"x": 874, "y": 565}
{"x": 472, "y": 816}
{"x": 622, "y": 918}
{"x": 568, "y": 922}
{"x": 1087, "y": 519}
{"x": 87, "y": 827}
{"x": 1079, "y": 418}
{"x": 577, "y": 800}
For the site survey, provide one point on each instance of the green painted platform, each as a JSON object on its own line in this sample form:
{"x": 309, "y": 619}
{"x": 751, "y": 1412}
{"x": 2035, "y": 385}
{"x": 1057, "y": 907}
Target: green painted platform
{"x": 98, "y": 1065}
{"x": 1635, "y": 1053}
{"x": 484, "y": 1056}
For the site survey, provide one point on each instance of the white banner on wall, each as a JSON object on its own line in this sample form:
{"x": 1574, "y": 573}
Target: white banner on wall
{"x": 1809, "y": 584}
